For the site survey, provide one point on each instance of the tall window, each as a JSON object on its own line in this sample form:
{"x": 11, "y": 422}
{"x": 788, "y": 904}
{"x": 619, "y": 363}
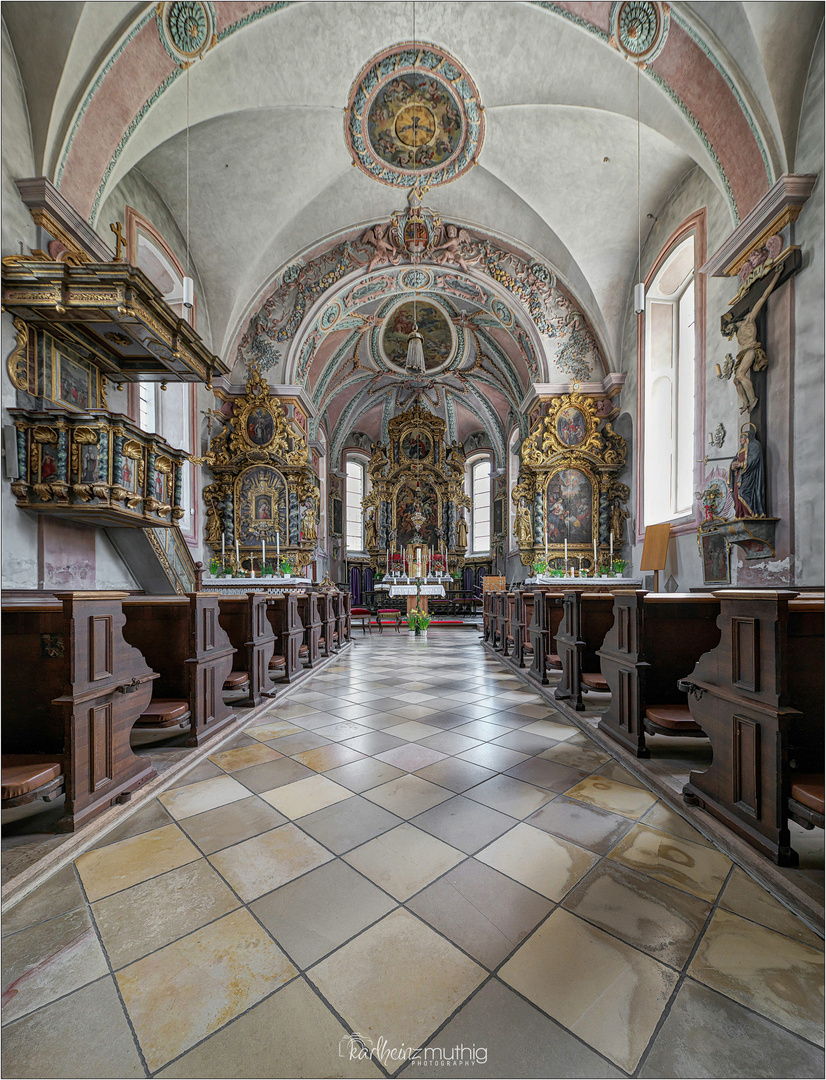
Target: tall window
{"x": 146, "y": 407}
{"x": 354, "y": 495}
{"x": 668, "y": 387}
{"x": 480, "y": 493}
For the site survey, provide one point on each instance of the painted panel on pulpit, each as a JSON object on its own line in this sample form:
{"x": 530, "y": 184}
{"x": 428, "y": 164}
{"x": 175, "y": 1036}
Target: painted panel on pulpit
{"x": 406, "y": 503}
{"x": 260, "y": 506}
{"x": 570, "y": 507}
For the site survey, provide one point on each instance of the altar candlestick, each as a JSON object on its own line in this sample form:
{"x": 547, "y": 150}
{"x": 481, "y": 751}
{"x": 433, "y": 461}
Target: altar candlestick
{"x": 278, "y": 545}
{"x": 223, "y": 546}
{"x": 595, "y": 555}
{"x": 566, "y": 554}
{"x": 237, "y": 557}
{"x": 546, "y": 545}
{"x": 612, "y": 551}
{"x": 263, "y": 555}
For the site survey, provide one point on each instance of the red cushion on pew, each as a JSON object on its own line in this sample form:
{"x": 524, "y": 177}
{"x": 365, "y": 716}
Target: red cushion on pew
{"x": 235, "y": 680}
{"x": 553, "y": 660}
{"x": 278, "y": 661}
{"x": 303, "y": 650}
{"x": 162, "y": 711}
{"x": 359, "y": 611}
{"x": 675, "y": 717}
{"x": 22, "y": 773}
{"x": 807, "y": 789}
{"x": 595, "y": 681}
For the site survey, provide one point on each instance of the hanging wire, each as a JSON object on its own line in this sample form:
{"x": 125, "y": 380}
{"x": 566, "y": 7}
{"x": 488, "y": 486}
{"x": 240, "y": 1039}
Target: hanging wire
{"x": 639, "y": 211}
{"x": 188, "y": 268}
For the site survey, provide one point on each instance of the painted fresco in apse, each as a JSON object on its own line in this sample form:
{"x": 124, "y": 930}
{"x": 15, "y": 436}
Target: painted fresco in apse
{"x": 405, "y": 500}
{"x": 414, "y": 122}
{"x": 436, "y": 331}
{"x": 569, "y": 507}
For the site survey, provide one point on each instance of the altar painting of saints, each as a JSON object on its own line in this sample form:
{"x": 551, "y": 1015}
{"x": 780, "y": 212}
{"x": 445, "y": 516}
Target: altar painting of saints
{"x": 48, "y": 466}
{"x": 416, "y": 446}
{"x": 89, "y": 463}
{"x": 259, "y": 427}
{"x": 263, "y": 508}
{"x": 570, "y": 426}
{"x": 569, "y": 508}
{"x": 74, "y": 384}
{"x": 128, "y": 474}
{"x": 159, "y": 486}
{"x": 406, "y": 501}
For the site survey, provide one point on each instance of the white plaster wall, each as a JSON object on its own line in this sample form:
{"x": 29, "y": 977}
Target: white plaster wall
{"x": 809, "y": 345}
{"x": 19, "y": 563}
{"x": 692, "y": 193}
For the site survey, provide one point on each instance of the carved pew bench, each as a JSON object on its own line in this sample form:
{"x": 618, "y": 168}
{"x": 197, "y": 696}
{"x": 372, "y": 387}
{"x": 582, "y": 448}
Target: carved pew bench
{"x": 546, "y": 617}
{"x": 26, "y": 777}
{"x": 806, "y": 800}
{"x": 288, "y": 630}
{"x": 308, "y": 612}
{"x": 89, "y": 687}
{"x": 586, "y": 619}
{"x": 244, "y": 619}
{"x": 329, "y": 631}
{"x": 655, "y": 640}
{"x": 182, "y": 638}
{"x": 759, "y": 696}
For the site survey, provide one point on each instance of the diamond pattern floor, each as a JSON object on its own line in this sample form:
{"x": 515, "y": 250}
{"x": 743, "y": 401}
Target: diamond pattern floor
{"x": 411, "y": 861}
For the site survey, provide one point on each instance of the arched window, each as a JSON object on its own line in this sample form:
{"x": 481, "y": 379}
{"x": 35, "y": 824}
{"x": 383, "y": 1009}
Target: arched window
{"x": 354, "y": 493}
{"x": 480, "y": 494}
{"x": 667, "y": 385}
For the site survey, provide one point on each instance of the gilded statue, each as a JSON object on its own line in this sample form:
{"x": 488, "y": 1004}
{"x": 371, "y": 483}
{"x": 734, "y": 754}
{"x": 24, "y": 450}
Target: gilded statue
{"x": 309, "y": 521}
{"x": 523, "y": 527}
{"x": 461, "y": 531}
{"x": 751, "y": 354}
{"x": 619, "y": 515}
{"x": 369, "y": 531}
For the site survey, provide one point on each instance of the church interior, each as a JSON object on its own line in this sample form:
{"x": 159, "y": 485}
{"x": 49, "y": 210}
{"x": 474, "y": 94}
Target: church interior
{"x": 413, "y": 540}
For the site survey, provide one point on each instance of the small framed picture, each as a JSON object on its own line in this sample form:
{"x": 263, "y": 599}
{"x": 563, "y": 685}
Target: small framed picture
{"x": 716, "y": 565}
{"x": 73, "y": 383}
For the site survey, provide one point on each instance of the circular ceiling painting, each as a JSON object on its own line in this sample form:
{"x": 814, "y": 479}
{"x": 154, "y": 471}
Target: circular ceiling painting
{"x": 414, "y": 113}
{"x": 434, "y": 326}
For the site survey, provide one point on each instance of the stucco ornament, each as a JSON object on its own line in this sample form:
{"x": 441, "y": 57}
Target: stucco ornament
{"x": 639, "y": 29}
{"x": 414, "y": 116}
{"x": 186, "y": 29}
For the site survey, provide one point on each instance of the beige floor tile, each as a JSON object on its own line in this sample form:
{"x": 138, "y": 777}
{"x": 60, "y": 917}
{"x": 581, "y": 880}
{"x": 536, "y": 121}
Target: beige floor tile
{"x": 139, "y": 920}
{"x": 177, "y": 996}
{"x": 510, "y": 796}
{"x": 265, "y": 862}
{"x": 398, "y": 981}
{"x": 745, "y": 897}
{"x": 198, "y": 798}
{"x": 323, "y": 758}
{"x": 61, "y": 893}
{"x": 547, "y": 864}
{"x": 244, "y": 757}
{"x": 274, "y": 730}
{"x": 110, "y": 869}
{"x": 55, "y": 1041}
{"x": 306, "y": 796}
{"x": 552, "y": 729}
{"x": 407, "y": 795}
{"x": 658, "y": 920}
{"x": 404, "y": 860}
{"x": 567, "y": 968}
{"x": 290, "y": 1034}
{"x": 664, "y": 818}
{"x": 614, "y": 771}
{"x": 576, "y": 755}
{"x": 691, "y": 867}
{"x": 45, "y": 962}
{"x": 768, "y": 972}
{"x": 413, "y": 731}
{"x": 611, "y": 795}
{"x": 231, "y": 824}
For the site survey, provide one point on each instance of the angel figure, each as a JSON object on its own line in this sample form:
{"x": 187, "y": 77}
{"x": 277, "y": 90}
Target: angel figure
{"x": 450, "y": 248}
{"x": 383, "y": 252}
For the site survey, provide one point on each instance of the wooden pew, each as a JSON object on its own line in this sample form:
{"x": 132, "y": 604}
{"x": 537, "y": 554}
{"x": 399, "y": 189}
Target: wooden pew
{"x": 72, "y": 689}
{"x": 499, "y": 615}
{"x": 509, "y": 634}
{"x": 522, "y": 618}
{"x": 346, "y": 601}
{"x": 545, "y": 620}
{"x": 759, "y": 697}
{"x": 244, "y": 618}
{"x": 586, "y": 619}
{"x": 329, "y": 631}
{"x": 282, "y": 612}
{"x": 487, "y": 618}
{"x": 342, "y": 620}
{"x": 655, "y": 640}
{"x": 311, "y": 619}
{"x": 182, "y": 638}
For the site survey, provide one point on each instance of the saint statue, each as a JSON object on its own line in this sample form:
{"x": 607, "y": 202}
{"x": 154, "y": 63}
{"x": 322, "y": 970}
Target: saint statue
{"x": 618, "y": 517}
{"x": 369, "y": 531}
{"x": 751, "y": 354}
{"x": 309, "y": 521}
{"x": 461, "y": 531}
{"x": 415, "y": 353}
{"x": 745, "y": 476}
{"x": 523, "y": 527}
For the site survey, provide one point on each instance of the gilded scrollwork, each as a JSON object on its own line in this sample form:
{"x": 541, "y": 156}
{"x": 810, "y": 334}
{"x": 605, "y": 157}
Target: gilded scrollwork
{"x": 18, "y": 362}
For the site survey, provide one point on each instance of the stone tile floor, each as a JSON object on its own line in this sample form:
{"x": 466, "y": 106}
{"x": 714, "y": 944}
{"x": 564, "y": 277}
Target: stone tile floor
{"x": 411, "y": 852}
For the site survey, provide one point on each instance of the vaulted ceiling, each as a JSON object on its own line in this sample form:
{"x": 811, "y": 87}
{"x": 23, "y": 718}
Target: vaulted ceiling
{"x": 273, "y": 183}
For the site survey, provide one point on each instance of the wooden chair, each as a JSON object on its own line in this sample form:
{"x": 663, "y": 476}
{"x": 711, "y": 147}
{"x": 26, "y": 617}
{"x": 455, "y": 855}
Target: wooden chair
{"x": 394, "y": 613}
{"x": 363, "y": 617}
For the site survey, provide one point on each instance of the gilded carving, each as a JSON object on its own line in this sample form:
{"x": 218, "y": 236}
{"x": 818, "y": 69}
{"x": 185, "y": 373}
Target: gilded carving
{"x": 18, "y": 362}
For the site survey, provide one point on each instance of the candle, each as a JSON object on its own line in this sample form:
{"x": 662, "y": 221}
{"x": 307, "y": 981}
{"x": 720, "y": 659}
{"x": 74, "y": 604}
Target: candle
{"x": 278, "y": 545}
{"x": 612, "y": 551}
{"x": 546, "y": 546}
{"x": 566, "y": 554}
{"x": 223, "y": 546}
{"x": 595, "y": 554}
{"x": 388, "y": 560}
{"x": 263, "y": 555}
{"x": 237, "y": 557}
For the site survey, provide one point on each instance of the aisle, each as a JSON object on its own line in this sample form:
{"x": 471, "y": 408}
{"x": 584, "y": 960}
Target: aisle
{"x": 414, "y": 851}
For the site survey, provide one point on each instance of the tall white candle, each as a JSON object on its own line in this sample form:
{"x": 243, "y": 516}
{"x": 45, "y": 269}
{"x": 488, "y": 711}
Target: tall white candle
{"x": 237, "y": 556}
{"x": 223, "y": 545}
{"x": 612, "y": 551}
{"x": 278, "y": 545}
{"x": 263, "y": 553}
{"x": 566, "y": 554}
{"x": 595, "y": 554}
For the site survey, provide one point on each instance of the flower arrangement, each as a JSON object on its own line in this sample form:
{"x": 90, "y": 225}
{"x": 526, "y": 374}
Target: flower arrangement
{"x": 619, "y": 565}
{"x": 267, "y": 570}
{"x": 418, "y": 620}
{"x": 540, "y": 566}
{"x": 456, "y": 575}
{"x": 215, "y": 568}
{"x": 286, "y": 566}
{"x": 378, "y": 576}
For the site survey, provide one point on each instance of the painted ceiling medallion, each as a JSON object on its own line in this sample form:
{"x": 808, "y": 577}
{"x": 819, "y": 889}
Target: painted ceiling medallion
{"x": 639, "y": 28}
{"x": 186, "y": 28}
{"x": 414, "y": 114}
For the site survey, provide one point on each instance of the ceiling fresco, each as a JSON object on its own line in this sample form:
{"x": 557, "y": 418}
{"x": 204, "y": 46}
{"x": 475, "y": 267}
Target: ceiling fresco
{"x": 414, "y": 115}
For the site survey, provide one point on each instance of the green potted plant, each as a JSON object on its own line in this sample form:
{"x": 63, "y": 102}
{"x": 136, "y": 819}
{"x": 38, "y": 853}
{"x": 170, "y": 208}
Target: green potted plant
{"x": 424, "y": 621}
{"x": 267, "y": 570}
{"x": 412, "y": 620}
{"x": 456, "y": 575}
{"x": 286, "y": 567}
{"x": 215, "y": 567}
{"x": 618, "y": 566}
{"x": 539, "y": 567}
